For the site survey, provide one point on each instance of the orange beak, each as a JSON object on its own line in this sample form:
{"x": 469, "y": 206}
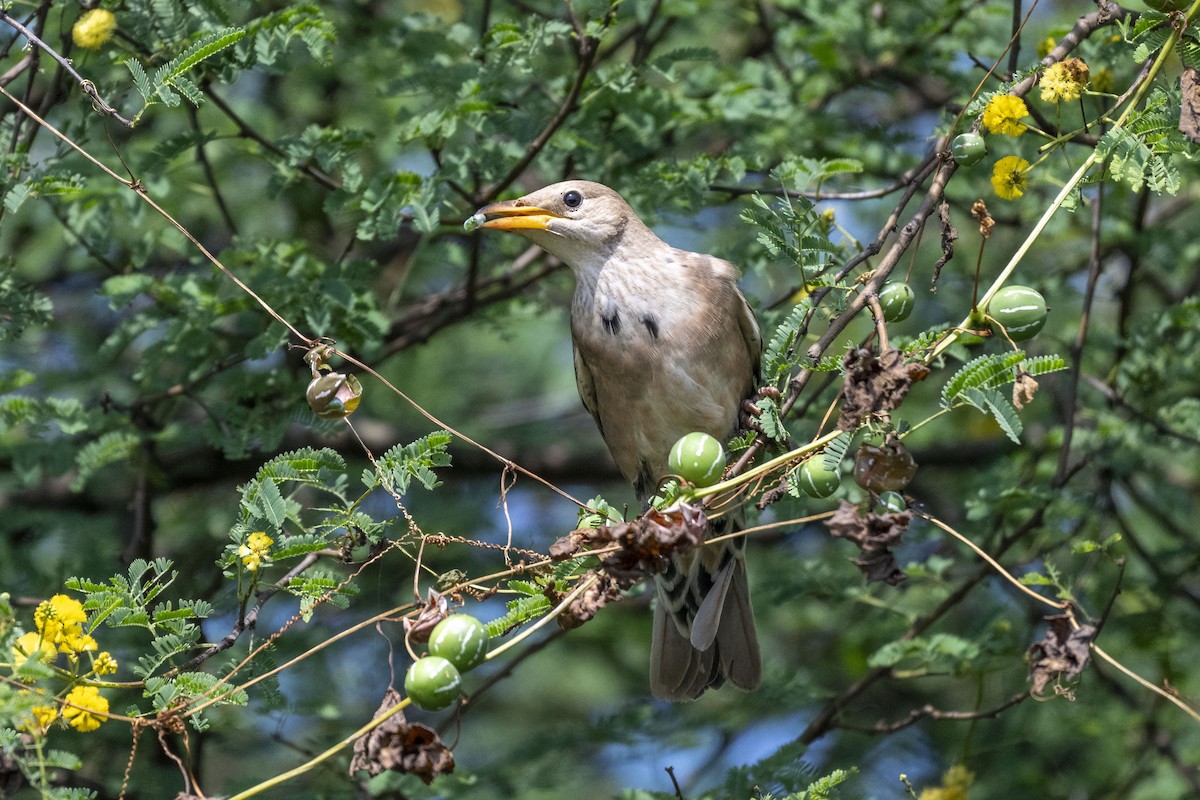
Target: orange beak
{"x": 514, "y": 215}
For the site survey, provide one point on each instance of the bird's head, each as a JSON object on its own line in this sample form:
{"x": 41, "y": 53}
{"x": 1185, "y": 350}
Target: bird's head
{"x": 580, "y": 222}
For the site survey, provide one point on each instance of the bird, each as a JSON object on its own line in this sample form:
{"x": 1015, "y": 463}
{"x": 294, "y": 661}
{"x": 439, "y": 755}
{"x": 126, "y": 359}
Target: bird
{"x": 665, "y": 344}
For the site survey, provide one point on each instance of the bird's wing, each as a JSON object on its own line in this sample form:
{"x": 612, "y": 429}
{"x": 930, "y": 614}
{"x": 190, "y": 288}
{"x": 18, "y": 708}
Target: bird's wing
{"x": 587, "y": 388}
{"x": 751, "y": 335}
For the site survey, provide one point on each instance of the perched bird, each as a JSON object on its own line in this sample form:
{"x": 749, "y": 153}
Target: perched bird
{"x": 665, "y": 344}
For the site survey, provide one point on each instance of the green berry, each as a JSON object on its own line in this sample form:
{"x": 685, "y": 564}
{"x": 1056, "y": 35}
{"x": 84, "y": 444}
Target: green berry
{"x": 433, "y": 683}
{"x": 697, "y": 458}
{"x": 817, "y": 481}
{"x": 460, "y": 639}
{"x": 968, "y": 149}
{"x": 892, "y": 501}
{"x": 1020, "y": 310}
{"x": 897, "y": 300}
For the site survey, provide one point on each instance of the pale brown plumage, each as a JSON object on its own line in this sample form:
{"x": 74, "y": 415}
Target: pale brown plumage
{"x": 665, "y": 344}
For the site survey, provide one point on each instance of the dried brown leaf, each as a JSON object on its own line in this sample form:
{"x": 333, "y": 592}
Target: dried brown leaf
{"x": 1024, "y": 389}
{"x": 1060, "y": 656}
{"x": 875, "y": 535}
{"x": 874, "y": 385}
{"x": 401, "y": 746}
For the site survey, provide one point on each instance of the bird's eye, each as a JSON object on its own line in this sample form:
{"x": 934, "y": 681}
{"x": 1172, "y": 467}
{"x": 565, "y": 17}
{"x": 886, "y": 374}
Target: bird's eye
{"x": 573, "y": 199}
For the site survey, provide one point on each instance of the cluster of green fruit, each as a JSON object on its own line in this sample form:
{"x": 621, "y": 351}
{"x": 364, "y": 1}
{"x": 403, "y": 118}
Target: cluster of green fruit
{"x": 1019, "y": 310}
{"x": 457, "y": 644}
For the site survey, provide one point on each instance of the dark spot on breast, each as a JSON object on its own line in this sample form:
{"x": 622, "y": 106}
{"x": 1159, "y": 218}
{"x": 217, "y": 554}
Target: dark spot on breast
{"x": 612, "y": 322}
{"x": 651, "y": 325}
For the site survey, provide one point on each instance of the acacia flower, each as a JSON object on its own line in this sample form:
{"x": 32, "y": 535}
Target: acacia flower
{"x": 104, "y": 663}
{"x": 1003, "y": 115}
{"x": 1103, "y": 80}
{"x": 255, "y": 550}
{"x": 94, "y": 28}
{"x": 1010, "y": 177}
{"x": 955, "y": 783}
{"x": 40, "y": 719}
{"x": 60, "y": 621}
{"x": 31, "y": 645}
{"x": 1064, "y": 81}
{"x": 87, "y": 708}
{"x": 1045, "y": 46}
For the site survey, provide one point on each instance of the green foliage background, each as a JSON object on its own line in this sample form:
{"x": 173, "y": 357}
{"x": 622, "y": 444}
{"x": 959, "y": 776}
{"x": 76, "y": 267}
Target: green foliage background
{"x": 153, "y": 415}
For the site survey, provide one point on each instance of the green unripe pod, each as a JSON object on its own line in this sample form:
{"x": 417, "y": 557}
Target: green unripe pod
{"x": 968, "y": 149}
{"x": 892, "y": 502}
{"x": 1020, "y": 310}
{"x": 897, "y": 301}
{"x": 433, "y": 683}
{"x": 460, "y": 639}
{"x": 697, "y": 458}
{"x": 817, "y": 481}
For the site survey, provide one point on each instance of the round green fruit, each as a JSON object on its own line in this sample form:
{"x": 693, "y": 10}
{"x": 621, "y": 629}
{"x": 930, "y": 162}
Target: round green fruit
{"x": 897, "y": 300}
{"x": 1020, "y": 310}
{"x": 892, "y": 502}
{"x": 433, "y": 683}
{"x": 968, "y": 149}
{"x": 817, "y": 481}
{"x": 460, "y": 639}
{"x": 697, "y": 458}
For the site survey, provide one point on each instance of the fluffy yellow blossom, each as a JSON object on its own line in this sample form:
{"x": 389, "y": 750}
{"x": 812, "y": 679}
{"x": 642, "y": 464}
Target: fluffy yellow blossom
{"x": 31, "y": 645}
{"x": 955, "y": 783}
{"x": 40, "y": 718}
{"x": 1010, "y": 177}
{"x": 60, "y": 621}
{"x": 94, "y": 28}
{"x": 1064, "y": 81}
{"x": 1045, "y": 46}
{"x": 104, "y": 663}
{"x": 86, "y": 708}
{"x": 1003, "y": 115}
{"x": 255, "y": 550}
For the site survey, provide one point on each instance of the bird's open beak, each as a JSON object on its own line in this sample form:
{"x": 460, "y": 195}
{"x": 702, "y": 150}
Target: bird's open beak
{"x": 512, "y": 215}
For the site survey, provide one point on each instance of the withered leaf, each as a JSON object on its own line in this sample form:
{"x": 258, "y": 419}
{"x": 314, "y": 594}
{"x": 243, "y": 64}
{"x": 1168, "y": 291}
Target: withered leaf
{"x": 1189, "y": 110}
{"x": 645, "y": 543}
{"x": 1024, "y": 388}
{"x": 401, "y": 746}
{"x": 875, "y": 535}
{"x": 1061, "y": 655}
{"x": 436, "y": 609}
{"x": 596, "y": 597}
{"x": 874, "y": 385}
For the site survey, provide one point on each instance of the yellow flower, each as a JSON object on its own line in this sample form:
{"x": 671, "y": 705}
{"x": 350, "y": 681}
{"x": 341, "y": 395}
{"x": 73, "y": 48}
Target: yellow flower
{"x": 31, "y": 645}
{"x": 954, "y": 786}
{"x": 94, "y": 28}
{"x": 1064, "y": 81}
{"x": 104, "y": 663}
{"x": 86, "y": 710}
{"x": 1045, "y": 46}
{"x": 40, "y": 718}
{"x": 60, "y": 620}
{"x": 255, "y": 550}
{"x": 1003, "y": 115}
{"x": 1010, "y": 177}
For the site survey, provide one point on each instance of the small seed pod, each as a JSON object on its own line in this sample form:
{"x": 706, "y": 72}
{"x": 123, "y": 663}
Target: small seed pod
{"x": 817, "y": 481}
{"x": 1020, "y": 310}
{"x": 433, "y": 683}
{"x": 333, "y": 395}
{"x": 697, "y": 458}
{"x": 896, "y": 300}
{"x": 968, "y": 149}
{"x": 886, "y": 468}
{"x": 460, "y": 639}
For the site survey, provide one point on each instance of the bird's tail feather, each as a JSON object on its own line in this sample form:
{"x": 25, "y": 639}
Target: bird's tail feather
{"x": 704, "y": 631}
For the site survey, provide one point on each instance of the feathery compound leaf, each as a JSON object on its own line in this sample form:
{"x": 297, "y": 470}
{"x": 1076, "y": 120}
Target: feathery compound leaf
{"x": 401, "y": 464}
{"x": 1043, "y": 365}
{"x": 835, "y": 451}
{"x": 991, "y": 402}
{"x": 985, "y": 371}
{"x": 170, "y": 74}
